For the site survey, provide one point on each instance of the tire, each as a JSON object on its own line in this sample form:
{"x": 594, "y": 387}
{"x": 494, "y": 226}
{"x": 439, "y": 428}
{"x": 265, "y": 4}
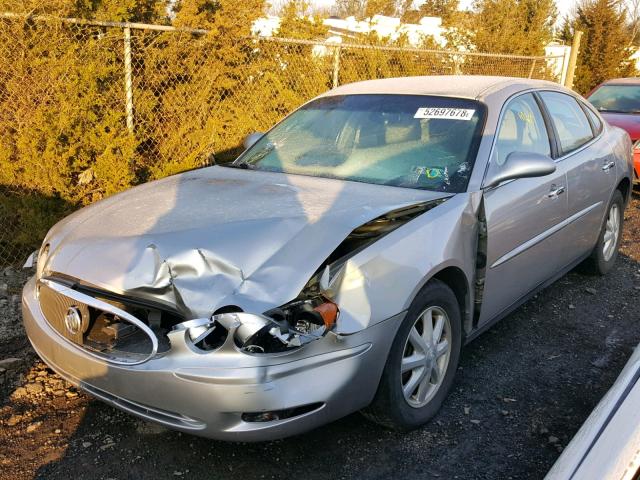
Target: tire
{"x": 391, "y": 408}
{"x": 602, "y": 260}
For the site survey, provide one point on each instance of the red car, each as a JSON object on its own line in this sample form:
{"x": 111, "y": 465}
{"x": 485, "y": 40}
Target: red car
{"x": 618, "y": 101}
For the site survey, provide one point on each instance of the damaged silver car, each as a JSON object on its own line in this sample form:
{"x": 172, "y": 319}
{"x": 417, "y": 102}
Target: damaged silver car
{"x": 339, "y": 264}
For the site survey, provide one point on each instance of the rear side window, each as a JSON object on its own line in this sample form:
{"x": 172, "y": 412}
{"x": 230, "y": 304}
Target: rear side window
{"x": 595, "y": 120}
{"x": 522, "y": 129}
{"x": 570, "y": 122}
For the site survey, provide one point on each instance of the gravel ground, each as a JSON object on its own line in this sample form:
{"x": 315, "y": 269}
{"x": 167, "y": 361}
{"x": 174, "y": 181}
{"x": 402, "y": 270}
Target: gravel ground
{"x": 522, "y": 391}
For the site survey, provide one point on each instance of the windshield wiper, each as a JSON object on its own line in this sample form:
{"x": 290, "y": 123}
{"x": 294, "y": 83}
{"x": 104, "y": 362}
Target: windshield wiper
{"x": 241, "y": 165}
{"x": 250, "y": 165}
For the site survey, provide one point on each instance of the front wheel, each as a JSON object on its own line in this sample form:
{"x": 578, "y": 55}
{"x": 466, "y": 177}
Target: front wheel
{"x": 422, "y": 362}
{"x": 605, "y": 253}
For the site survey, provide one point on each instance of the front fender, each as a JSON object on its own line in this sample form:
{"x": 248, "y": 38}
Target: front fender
{"x": 382, "y": 280}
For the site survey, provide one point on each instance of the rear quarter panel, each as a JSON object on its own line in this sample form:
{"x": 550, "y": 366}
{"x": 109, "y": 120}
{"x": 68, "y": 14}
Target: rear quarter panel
{"x": 623, "y": 152}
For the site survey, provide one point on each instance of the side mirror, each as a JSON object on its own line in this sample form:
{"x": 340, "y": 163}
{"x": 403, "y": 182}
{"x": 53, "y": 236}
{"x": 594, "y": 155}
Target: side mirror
{"x": 252, "y": 138}
{"x": 521, "y": 165}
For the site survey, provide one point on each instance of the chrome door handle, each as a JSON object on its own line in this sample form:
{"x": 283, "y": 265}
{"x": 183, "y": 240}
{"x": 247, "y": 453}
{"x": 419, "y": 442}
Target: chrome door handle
{"x": 555, "y": 191}
{"x": 608, "y": 166}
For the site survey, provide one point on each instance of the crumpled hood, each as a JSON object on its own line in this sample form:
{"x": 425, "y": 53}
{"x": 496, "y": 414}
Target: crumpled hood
{"x": 217, "y": 236}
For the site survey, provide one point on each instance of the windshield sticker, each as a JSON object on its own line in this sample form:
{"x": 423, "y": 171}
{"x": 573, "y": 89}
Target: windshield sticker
{"x": 445, "y": 113}
{"x": 430, "y": 173}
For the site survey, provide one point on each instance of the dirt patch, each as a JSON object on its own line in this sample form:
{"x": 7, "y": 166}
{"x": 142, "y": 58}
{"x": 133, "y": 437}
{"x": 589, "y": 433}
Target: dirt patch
{"x": 522, "y": 391}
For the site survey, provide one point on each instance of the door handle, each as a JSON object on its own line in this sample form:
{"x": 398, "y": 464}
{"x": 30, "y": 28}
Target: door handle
{"x": 556, "y": 190}
{"x": 608, "y": 166}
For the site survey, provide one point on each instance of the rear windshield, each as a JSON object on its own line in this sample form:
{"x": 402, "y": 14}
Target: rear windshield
{"x": 617, "y": 98}
{"x": 421, "y": 142}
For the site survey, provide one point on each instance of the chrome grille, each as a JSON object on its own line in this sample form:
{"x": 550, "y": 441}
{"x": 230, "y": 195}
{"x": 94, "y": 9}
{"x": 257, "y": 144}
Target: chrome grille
{"x": 55, "y": 307}
{"x": 138, "y": 345}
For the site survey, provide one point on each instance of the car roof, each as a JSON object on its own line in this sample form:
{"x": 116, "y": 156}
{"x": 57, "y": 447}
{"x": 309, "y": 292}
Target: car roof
{"x": 622, "y": 81}
{"x": 463, "y": 86}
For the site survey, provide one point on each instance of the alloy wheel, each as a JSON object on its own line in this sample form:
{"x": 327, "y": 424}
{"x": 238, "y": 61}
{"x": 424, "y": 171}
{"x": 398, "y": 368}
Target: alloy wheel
{"x": 426, "y": 356}
{"x": 611, "y": 232}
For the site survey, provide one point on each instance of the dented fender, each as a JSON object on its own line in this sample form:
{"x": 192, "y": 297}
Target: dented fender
{"x": 383, "y": 279}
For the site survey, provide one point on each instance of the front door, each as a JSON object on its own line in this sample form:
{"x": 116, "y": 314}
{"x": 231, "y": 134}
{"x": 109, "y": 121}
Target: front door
{"x": 524, "y": 217}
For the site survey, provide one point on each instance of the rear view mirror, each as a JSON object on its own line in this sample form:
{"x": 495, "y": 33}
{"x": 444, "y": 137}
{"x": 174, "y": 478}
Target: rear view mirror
{"x": 521, "y": 165}
{"x": 251, "y": 139}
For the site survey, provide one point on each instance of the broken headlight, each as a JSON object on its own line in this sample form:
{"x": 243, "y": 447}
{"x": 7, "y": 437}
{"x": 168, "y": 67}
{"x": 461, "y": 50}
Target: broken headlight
{"x": 290, "y": 326}
{"x": 278, "y": 330}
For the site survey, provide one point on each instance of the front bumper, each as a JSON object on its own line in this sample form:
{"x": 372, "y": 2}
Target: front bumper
{"x": 207, "y": 393}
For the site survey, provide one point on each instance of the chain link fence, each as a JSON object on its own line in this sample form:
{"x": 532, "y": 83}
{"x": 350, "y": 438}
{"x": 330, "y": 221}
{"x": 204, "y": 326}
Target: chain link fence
{"x": 88, "y": 109}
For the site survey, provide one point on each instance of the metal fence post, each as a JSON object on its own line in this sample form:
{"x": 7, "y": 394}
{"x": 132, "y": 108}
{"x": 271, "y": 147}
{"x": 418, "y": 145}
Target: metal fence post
{"x": 128, "y": 83}
{"x": 573, "y": 57}
{"x": 456, "y": 65}
{"x": 336, "y": 67}
{"x": 533, "y": 68}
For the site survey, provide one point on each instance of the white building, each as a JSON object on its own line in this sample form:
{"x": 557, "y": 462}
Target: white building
{"x": 558, "y": 65}
{"x": 635, "y": 58}
{"x": 388, "y": 27}
{"x": 266, "y": 26}
{"x": 348, "y": 28}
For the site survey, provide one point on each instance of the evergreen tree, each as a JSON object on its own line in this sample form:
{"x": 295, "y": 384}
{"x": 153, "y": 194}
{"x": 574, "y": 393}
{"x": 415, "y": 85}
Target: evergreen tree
{"x": 146, "y": 11}
{"x": 296, "y": 22}
{"x": 604, "y": 48}
{"x": 380, "y": 7}
{"x": 221, "y": 17}
{"x": 350, "y": 8}
{"x": 512, "y": 26}
{"x": 445, "y": 9}
{"x": 565, "y": 32}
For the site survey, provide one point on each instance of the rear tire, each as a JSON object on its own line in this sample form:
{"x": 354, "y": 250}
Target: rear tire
{"x": 422, "y": 361}
{"x": 605, "y": 253}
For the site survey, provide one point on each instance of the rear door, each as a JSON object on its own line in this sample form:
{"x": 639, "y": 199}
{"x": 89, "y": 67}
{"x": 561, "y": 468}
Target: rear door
{"x": 524, "y": 217}
{"x": 590, "y": 166}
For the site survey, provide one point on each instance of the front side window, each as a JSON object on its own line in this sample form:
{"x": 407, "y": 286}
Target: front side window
{"x": 617, "y": 98}
{"x": 413, "y": 141}
{"x": 522, "y": 129}
{"x": 570, "y": 122}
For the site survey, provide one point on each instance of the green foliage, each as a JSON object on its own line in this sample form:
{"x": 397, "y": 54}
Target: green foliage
{"x": 350, "y": 8}
{"x": 605, "y": 46}
{"x": 363, "y": 9}
{"x": 148, "y": 11}
{"x": 565, "y": 32}
{"x": 521, "y": 27}
{"x": 296, "y": 22}
{"x": 62, "y": 87}
{"x": 26, "y": 218}
{"x": 445, "y": 9}
{"x": 380, "y": 7}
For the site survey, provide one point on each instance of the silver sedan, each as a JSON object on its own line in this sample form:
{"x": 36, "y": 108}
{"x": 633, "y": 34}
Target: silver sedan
{"x": 339, "y": 264}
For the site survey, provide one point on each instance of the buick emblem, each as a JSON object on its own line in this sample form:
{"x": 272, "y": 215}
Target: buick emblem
{"x": 73, "y": 320}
